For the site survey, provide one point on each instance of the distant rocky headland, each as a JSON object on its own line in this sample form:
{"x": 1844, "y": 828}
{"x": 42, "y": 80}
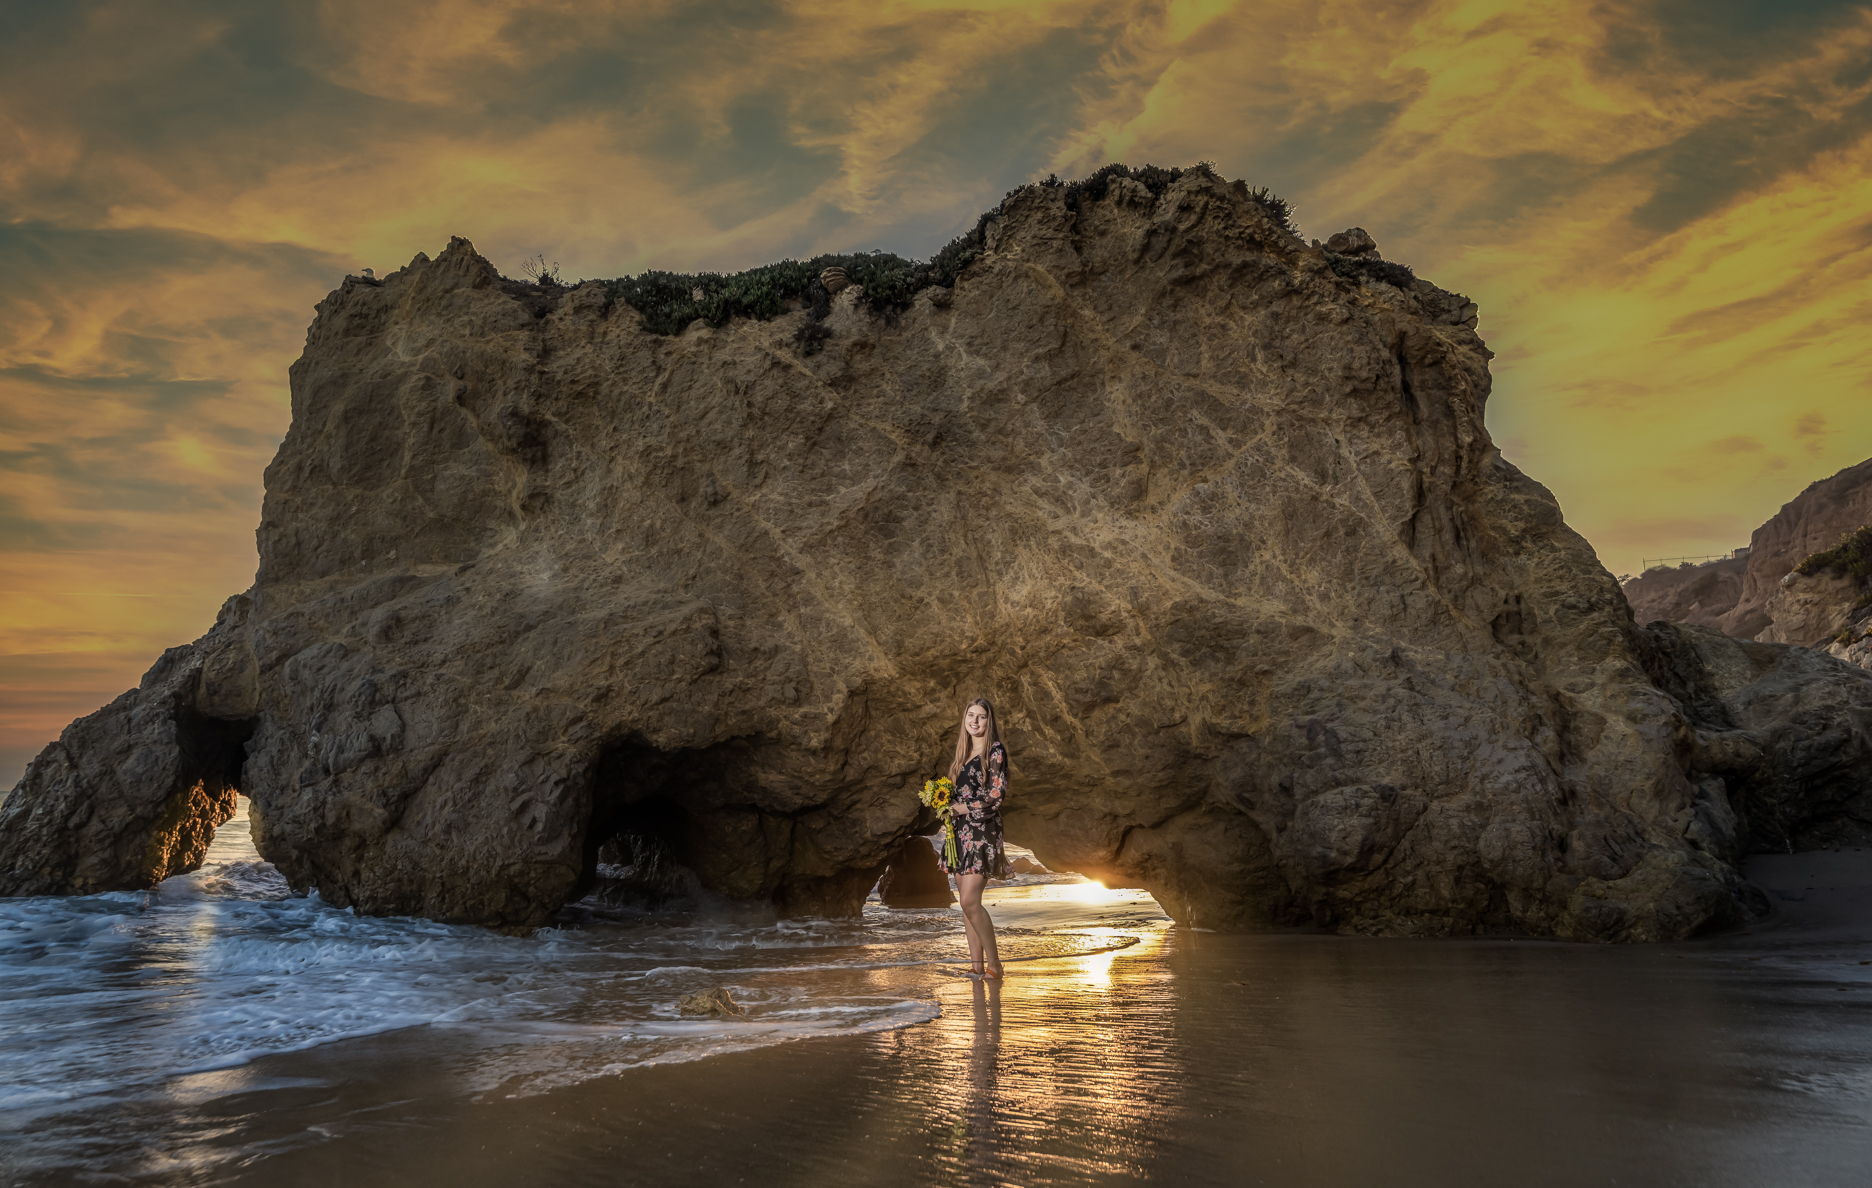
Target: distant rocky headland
{"x": 706, "y": 566}
{"x": 1806, "y": 577}
{"x": 1698, "y": 592}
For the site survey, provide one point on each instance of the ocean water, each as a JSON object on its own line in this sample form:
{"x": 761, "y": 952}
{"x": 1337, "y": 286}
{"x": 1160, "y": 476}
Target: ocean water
{"x": 109, "y": 1003}
{"x": 218, "y": 1032}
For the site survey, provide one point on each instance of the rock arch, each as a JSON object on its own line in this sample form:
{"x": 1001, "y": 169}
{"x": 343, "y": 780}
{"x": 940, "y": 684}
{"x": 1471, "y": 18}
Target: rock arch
{"x": 132, "y": 794}
{"x": 1276, "y": 630}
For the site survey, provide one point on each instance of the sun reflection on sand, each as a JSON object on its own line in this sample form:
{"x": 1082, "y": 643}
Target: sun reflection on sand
{"x": 1086, "y": 893}
{"x": 1054, "y": 1068}
{"x": 1097, "y": 969}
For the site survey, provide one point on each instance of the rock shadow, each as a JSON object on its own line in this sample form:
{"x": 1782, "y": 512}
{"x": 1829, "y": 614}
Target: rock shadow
{"x": 212, "y": 752}
{"x": 704, "y": 814}
{"x": 631, "y": 848}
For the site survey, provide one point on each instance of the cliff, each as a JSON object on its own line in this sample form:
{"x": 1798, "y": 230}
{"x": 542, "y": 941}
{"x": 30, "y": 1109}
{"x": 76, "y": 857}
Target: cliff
{"x": 1815, "y": 610}
{"x": 1811, "y": 522}
{"x": 1826, "y": 603}
{"x": 1699, "y": 594}
{"x": 1211, "y": 514}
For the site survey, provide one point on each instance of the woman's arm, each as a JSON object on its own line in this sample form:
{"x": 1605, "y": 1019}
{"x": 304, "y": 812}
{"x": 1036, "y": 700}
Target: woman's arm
{"x": 996, "y": 769}
{"x": 989, "y": 792}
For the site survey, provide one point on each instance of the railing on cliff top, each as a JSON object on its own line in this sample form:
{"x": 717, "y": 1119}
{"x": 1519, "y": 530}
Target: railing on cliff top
{"x": 1651, "y": 563}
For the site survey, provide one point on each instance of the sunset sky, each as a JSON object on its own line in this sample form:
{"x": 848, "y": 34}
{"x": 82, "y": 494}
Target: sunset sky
{"x": 1664, "y": 211}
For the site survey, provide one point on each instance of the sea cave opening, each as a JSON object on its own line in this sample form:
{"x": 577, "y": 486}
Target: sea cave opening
{"x": 211, "y": 754}
{"x": 634, "y": 842}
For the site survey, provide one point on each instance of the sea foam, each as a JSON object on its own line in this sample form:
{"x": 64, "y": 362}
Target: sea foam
{"x": 105, "y": 993}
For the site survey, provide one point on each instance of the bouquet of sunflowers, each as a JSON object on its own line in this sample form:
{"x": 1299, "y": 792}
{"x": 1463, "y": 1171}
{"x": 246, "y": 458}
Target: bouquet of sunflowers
{"x": 937, "y": 794}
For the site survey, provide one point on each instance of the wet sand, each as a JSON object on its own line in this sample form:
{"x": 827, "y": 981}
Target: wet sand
{"x": 1187, "y": 1057}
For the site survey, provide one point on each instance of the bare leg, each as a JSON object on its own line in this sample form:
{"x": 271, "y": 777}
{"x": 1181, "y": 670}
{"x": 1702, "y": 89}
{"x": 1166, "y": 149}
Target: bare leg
{"x": 981, "y": 928}
{"x": 968, "y": 924}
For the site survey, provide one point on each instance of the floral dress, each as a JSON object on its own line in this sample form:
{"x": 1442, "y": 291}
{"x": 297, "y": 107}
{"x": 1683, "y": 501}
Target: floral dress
{"x": 979, "y": 849}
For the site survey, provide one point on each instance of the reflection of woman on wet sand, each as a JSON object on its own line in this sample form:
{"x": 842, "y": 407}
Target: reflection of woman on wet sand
{"x": 984, "y": 1055}
{"x": 980, "y": 775}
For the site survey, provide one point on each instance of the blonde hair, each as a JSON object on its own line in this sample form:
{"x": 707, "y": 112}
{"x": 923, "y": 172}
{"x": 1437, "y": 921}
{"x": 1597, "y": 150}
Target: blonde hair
{"x": 962, "y": 740}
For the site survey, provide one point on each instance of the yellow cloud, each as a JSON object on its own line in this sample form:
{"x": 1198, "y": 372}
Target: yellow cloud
{"x": 1669, "y": 242}
{"x": 1510, "y": 157}
{"x": 1748, "y": 320}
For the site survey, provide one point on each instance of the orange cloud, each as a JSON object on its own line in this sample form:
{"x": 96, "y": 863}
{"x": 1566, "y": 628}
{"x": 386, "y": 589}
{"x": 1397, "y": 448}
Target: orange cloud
{"x": 1667, "y": 246}
{"x": 1660, "y": 209}
{"x": 142, "y": 392}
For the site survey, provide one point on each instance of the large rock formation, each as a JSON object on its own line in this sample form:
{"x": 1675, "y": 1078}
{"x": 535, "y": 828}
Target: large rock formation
{"x": 1274, "y": 630}
{"x": 1814, "y": 609}
{"x": 1810, "y": 522}
{"x": 1781, "y": 744}
{"x": 1697, "y": 594}
{"x": 1826, "y": 603}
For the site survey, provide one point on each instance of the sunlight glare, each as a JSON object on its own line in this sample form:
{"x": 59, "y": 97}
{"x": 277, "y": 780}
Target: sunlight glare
{"x": 1098, "y": 968}
{"x": 1089, "y": 892}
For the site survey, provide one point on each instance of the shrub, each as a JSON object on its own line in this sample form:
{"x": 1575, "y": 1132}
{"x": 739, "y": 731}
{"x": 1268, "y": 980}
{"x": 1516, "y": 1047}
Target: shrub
{"x": 1361, "y": 268}
{"x": 1282, "y": 210}
{"x": 810, "y": 337}
{"x": 1851, "y": 557}
{"x": 1156, "y": 179}
{"x": 541, "y": 273}
{"x": 670, "y": 301}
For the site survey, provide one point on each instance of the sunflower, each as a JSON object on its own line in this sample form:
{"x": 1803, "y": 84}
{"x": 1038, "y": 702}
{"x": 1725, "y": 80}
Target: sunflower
{"x": 937, "y": 793}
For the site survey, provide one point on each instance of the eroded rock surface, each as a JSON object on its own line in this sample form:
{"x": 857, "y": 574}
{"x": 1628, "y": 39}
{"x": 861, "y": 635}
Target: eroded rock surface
{"x": 1814, "y": 609}
{"x": 1856, "y": 647}
{"x": 1699, "y": 594}
{"x": 1273, "y": 629}
{"x": 1784, "y": 734}
{"x": 1811, "y": 522}
{"x": 132, "y": 794}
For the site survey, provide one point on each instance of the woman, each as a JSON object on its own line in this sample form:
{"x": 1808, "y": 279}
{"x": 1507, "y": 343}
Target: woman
{"x": 980, "y": 775}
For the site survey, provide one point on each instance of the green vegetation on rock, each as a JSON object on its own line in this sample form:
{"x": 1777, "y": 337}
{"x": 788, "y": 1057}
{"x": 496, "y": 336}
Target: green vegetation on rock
{"x": 1361, "y": 268}
{"x": 1851, "y": 557}
{"x": 670, "y": 301}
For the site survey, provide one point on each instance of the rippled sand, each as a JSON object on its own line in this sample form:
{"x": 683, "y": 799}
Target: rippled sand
{"x": 1183, "y": 1058}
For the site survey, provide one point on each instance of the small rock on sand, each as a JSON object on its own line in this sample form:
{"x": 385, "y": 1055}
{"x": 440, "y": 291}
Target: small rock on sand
{"x": 705, "y": 1004}
{"x": 913, "y": 879}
